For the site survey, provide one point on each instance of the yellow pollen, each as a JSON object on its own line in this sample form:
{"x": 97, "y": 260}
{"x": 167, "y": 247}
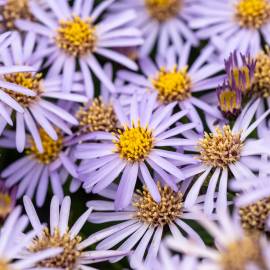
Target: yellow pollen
{"x": 174, "y": 85}
{"x": 76, "y": 37}
{"x": 228, "y": 101}
{"x": 67, "y": 259}
{"x": 27, "y": 80}
{"x": 134, "y": 144}
{"x": 4, "y": 265}
{"x": 14, "y": 10}
{"x": 5, "y": 205}
{"x": 221, "y": 148}
{"x": 261, "y": 84}
{"x": 99, "y": 116}
{"x": 240, "y": 254}
{"x": 252, "y": 13}
{"x": 158, "y": 214}
{"x": 245, "y": 85}
{"x": 254, "y": 216}
{"x": 163, "y": 10}
{"x": 52, "y": 148}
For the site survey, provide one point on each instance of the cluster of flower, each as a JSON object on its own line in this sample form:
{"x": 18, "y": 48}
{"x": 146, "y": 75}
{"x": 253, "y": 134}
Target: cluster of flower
{"x": 133, "y": 104}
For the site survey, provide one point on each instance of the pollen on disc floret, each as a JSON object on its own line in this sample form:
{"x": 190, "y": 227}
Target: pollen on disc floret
{"x": 172, "y": 85}
{"x": 77, "y": 36}
{"x": 160, "y": 213}
{"x": 252, "y": 13}
{"x": 221, "y": 148}
{"x": 163, "y": 10}
{"x": 134, "y": 143}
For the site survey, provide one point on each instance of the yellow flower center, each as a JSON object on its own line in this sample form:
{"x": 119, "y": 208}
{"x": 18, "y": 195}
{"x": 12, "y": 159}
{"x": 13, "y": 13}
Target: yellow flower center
{"x": 237, "y": 76}
{"x": 254, "y": 216}
{"x": 163, "y": 10}
{"x": 174, "y": 85}
{"x": 14, "y": 10}
{"x": 76, "y": 37}
{"x": 51, "y": 148}
{"x": 221, "y": 148}
{"x": 158, "y": 214}
{"x": 240, "y": 254}
{"x": 228, "y": 101}
{"x": 5, "y": 205}
{"x": 252, "y": 13}
{"x": 97, "y": 117}
{"x": 134, "y": 144}
{"x": 67, "y": 259}
{"x": 27, "y": 80}
{"x": 261, "y": 85}
{"x": 4, "y": 265}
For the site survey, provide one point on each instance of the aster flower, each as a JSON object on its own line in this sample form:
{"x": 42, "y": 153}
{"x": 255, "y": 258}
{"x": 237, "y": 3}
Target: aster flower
{"x": 236, "y": 86}
{"x": 175, "y": 81}
{"x": 98, "y": 113}
{"x": 251, "y": 190}
{"x": 234, "y": 248}
{"x": 229, "y": 100}
{"x": 75, "y": 251}
{"x": 72, "y": 34}
{"x": 7, "y": 200}
{"x": 12, "y": 10}
{"x": 37, "y": 111}
{"x": 240, "y": 72}
{"x": 167, "y": 261}
{"x": 10, "y": 89}
{"x": 162, "y": 22}
{"x": 142, "y": 225}
{"x": 14, "y": 243}
{"x": 253, "y": 202}
{"x": 235, "y": 25}
{"x": 140, "y": 141}
{"x": 227, "y": 150}
{"x": 35, "y": 170}
{"x": 260, "y": 88}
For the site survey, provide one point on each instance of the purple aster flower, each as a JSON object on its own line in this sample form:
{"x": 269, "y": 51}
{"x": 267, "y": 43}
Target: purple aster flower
{"x": 251, "y": 190}
{"x": 14, "y": 243}
{"x": 226, "y": 150}
{"x": 143, "y": 224}
{"x": 97, "y": 114}
{"x": 10, "y": 89}
{"x": 167, "y": 261}
{"x": 72, "y": 34}
{"x": 229, "y": 100}
{"x": 234, "y": 248}
{"x": 235, "y": 25}
{"x": 260, "y": 88}
{"x": 237, "y": 85}
{"x": 253, "y": 202}
{"x": 7, "y": 200}
{"x": 37, "y": 111}
{"x": 75, "y": 253}
{"x": 174, "y": 80}
{"x": 140, "y": 142}
{"x": 33, "y": 172}
{"x": 240, "y": 72}
{"x": 162, "y": 22}
{"x": 12, "y": 10}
